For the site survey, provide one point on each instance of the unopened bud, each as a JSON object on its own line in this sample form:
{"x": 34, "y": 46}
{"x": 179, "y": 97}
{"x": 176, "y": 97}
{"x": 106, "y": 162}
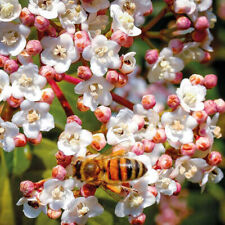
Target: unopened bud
{"x": 148, "y": 145}
{"x": 122, "y": 39}
{"x": 210, "y": 107}
{"x": 3, "y": 59}
{"x": 33, "y": 47}
{"x": 138, "y": 148}
{"x": 74, "y": 118}
{"x": 14, "y": 102}
{"x": 103, "y": 114}
{"x": 26, "y": 17}
{"x": 151, "y": 56}
{"x": 98, "y": 141}
{"x": 202, "y": 23}
{"x": 41, "y": 23}
{"x": 59, "y": 172}
{"x": 183, "y": 23}
{"x": 200, "y": 116}
{"x": 160, "y": 136}
{"x": 20, "y": 140}
{"x": 27, "y": 187}
{"x": 199, "y": 35}
{"x": 139, "y": 220}
{"x": 47, "y": 96}
{"x": 214, "y": 158}
{"x": 84, "y": 72}
{"x": 173, "y": 101}
{"x": 54, "y": 214}
{"x": 62, "y": 159}
{"x": 11, "y": 66}
{"x": 148, "y": 101}
{"x": 188, "y": 149}
{"x": 203, "y": 143}
{"x": 35, "y": 141}
{"x": 196, "y": 79}
{"x": 165, "y": 161}
{"x": 220, "y": 105}
{"x": 210, "y": 81}
{"x": 176, "y": 45}
{"x": 81, "y": 40}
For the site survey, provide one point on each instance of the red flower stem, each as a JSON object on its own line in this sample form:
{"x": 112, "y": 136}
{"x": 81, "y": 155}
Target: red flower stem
{"x": 71, "y": 79}
{"x": 65, "y": 104}
{"x": 122, "y": 101}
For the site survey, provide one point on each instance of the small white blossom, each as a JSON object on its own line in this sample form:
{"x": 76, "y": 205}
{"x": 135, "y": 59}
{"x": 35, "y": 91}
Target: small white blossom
{"x": 179, "y": 125}
{"x": 96, "y": 91}
{"x": 8, "y": 131}
{"x": 59, "y": 52}
{"x": 9, "y": 10}
{"x": 46, "y": 8}
{"x": 80, "y": 209}
{"x": 74, "y": 140}
{"x": 165, "y": 67}
{"x": 191, "y": 96}
{"x": 95, "y": 5}
{"x": 26, "y": 82}
{"x": 34, "y": 117}
{"x": 128, "y": 63}
{"x": 13, "y": 38}
{"x": 102, "y": 54}
{"x": 5, "y": 88}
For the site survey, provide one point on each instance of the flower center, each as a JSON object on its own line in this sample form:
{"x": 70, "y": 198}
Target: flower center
{"x": 10, "y": 38}
{"x": 177, "y": 125}
{"x": 82, "y": 209}
{"x": 2, "y": 133}
{"x": 45, "y": 4}
{"x": 101, "y": 51}
{"x": 58, "y": 193}
{"x": 7, "y": 10}
{"x": 129, "y": 7}
{"x": 60, "y": 52}
{"x": 189, "y": 98}
{"x": 165, "y": 182}
{"x": 74, "y": 139}
{"x": 33, "y": 116}
{"x": 96, "y": 90}
{"x": 33, "y": 204}
{"x": 127, "y": 21}
{"x": 25, "y": 81}
{"x": 135, "y": 200}
{"x": 188, "y": 170}
{"x": 120, "y": 129}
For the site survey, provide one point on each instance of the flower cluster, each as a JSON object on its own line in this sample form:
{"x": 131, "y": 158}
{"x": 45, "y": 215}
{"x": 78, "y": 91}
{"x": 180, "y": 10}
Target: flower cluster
{"x": 162, "y": 138}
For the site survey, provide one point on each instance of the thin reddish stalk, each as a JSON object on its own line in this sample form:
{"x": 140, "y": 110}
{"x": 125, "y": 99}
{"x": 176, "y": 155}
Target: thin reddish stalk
{"x": 71, "y": 79}
{"x": 65, "y": 104}
{"x": 122, "y": 101}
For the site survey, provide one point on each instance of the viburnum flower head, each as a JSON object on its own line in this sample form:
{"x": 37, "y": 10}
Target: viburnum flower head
{"x": 46, "y": 8}
{"x": 179, "y": 125}
{"x": 74, "y": 140}
{"x": 59, "y": 52}
{"x": 8, "y": 131}
{"x": 26, "y": 82}
{"x": 34, "y": 117}
{"x": 191, "y": 96}
{"x": 5, "y": 88}
{"x": 96, "y": 91}
{"x": 13, "y": 38}
{"x": 10, "y": 10}
{"x": 102, "y": 54}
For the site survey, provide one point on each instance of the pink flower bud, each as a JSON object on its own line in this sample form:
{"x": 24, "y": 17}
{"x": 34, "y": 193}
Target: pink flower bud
{"x": 220, "y": 105}
{"x": 80, "y": 105}
{"x": 173, "y": 101}
{"x": 33, "y": 47}
{"x": 59, "y": 172}
{"x": 88, "y": 190}
{"x": 196, "y": 79}
{"x": 148, "y": 145}
{"x": 122, "y": 39}
{"x": 14, "y": 102}
{"x": 188, "y": 149}
{"x": 20, "y": 140}
{"x": 176, "y": 45}
{"x": 122, "y": 80}
{"x": 81, "y": 40}
{"x": 98, "y": 141}
{"x": 203, "y": 143}
{"x": 153, "y": 190}
{"x": 26, "y": 17}
{"x": 148, "y": 101}
{"x": 139, "y": 120}
{"x": 35, "y": 141}
{"x": 139, "y": 220}
{"x": 210, "y": 107}
{"x": 202, "y": 23}
{"x": 207, "y": 57}
{"x": 138, "y": 148}
{"x": 151, "y": 56}
{"x": 11, "y": 66}
{"x": 183, "y": 23}
{"x": 210, "y": 81}
{"x": 3, "y": 59}
{"x": 41, "y": 23}
{"x": 112, "y": 76}
{"x": 199, "y": 35}
{"x": 51, "y": 31}
{"x": 164, "y": 162}
{"x": 200, "y": 116}
{"x": 47, "y": 96}
{"x": 59, "y": 77}
{"x": 54, "y": 214}
{"x": 103, "y": 114}
{"x": 178, "y": 188}
{"x": 160, "y": 136}
{"x": 74, "y": 118}
{"x": 84, "y": 72}
{"x": 62, "y": 159}
{"x": 178, "y": 78}
{"x": 214, "y": 158}
{"x": 27, "y": 187}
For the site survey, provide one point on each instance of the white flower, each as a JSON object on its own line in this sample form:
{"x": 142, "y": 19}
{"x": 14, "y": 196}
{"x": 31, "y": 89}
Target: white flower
{"x": 151, "y": 119}
{"x": 80, "y": 209}
{"x": 191, "y": 96}
{"x": 26, "y": 82}
{"x": 32, "y": 207}
{"x": 34, "y": 117}
{"x": 96, "y": 91}
{"x": 134, "y": 203}
{"x": 8, "y": 131}
{"x": 46, "y": 8}
{"x": 191, "y": 169}
{"x": 102, "y": 54}
{"x": 74, "y": 140}
{"x": 207, "y": 42}
{"x": 59, "y": 52}
{"x": 123, "y": 21}
{"x": 179, "y": 125}
{"x": 73, "y": 14}
{"x": 95, "y": 5}
{"x": 121, "y": 128}
{"x": 57, "y": 193}
{"x": 9, "y": 10}
{"x": 13, "y": 38}
{"x": 128, "y": 63}
{"x": 165, "y": 67}
{"x": 5, "y": 88}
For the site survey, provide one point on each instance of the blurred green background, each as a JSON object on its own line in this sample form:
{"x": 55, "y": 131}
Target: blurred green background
{"x": 35, "y": 162}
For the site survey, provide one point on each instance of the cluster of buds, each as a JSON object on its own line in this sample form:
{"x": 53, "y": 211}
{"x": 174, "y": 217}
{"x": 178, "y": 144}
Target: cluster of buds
{"x": 165, "y": 136}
